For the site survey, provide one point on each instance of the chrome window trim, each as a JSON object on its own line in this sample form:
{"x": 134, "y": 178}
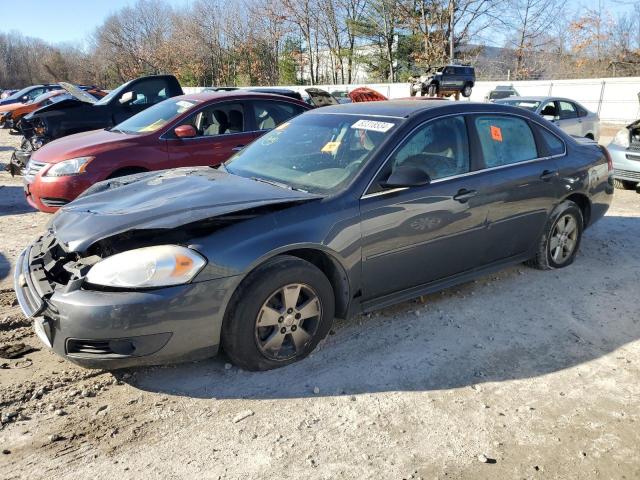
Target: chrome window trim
{"x": 466, "y": 174}
{"x": 360, "y": 115}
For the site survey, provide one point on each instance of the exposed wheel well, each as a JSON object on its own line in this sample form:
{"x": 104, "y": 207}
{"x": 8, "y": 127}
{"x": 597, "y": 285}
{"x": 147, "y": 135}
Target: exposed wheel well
{"x": 585, "y": 206}
{"x": 334, "y": 272}
{"x": 590, "y": 136}
{"x": 121, "y": 172}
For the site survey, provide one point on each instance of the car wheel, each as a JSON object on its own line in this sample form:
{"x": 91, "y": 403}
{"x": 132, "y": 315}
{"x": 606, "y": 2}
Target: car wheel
{"x": 466, "y": 91}
{"x": 560, "y": 240}
{"x": 624, "y": 184}
{"x": 278, "y": 314}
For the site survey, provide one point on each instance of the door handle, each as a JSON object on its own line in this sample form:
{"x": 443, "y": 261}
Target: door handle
{"x": 548, "y": 175}
{"x": 237, "y": 148}
{"x": 464, "y": 195}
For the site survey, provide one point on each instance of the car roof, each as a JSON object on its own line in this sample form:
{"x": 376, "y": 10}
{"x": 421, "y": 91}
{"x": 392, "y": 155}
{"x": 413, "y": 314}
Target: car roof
{"x": 206, "y": 96}
{"x": 389, "y": 108}
{"x": 538, "y": 98}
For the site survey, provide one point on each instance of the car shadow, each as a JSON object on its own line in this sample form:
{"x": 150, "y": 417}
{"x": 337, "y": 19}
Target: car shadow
{"x": 12, "y": 201}
{"x": 518, "y": 323}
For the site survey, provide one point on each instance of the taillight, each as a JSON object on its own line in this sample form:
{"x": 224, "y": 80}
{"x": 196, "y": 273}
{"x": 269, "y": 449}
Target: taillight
{"x": 608, "y": 157}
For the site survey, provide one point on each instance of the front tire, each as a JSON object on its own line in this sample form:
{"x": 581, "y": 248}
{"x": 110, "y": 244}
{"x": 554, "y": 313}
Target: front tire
{"x": 278, "y": 314}
{"x": 560, "y": 240}
{"x": 624, "y": 184}
{"x": 466, "y": 91}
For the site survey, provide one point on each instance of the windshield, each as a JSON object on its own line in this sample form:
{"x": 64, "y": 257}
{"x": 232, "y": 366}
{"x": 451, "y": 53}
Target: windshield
{"x": 313, "y": 152}
{"x": 46, "y": 95}
{"x": 531, "y": 105}
{"x": 155, "y": 117}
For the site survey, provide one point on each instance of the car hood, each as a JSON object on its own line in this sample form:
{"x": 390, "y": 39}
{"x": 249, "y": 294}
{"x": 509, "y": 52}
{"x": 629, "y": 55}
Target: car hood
{"x": 91, "y": 143}
{"x": 161, "y": 200}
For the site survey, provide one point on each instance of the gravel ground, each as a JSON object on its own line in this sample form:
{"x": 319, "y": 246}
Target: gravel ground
{"x": 521, "y": 374}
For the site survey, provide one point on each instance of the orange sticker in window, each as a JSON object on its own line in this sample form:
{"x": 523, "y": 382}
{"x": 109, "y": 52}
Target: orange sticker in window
{"x": 330, "y": 147}
{"x": 496, "y": 133}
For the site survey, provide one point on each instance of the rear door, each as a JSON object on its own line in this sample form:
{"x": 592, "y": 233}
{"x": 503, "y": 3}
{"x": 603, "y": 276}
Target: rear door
{"x": 413, "y": 236}
{"x": 521, "y": 178}
{"x": 568, "y": 119}
{"x": 222, "y": 129}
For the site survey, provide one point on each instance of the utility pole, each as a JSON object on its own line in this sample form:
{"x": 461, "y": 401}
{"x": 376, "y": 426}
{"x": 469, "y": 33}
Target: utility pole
{"x": 451, "y": 23}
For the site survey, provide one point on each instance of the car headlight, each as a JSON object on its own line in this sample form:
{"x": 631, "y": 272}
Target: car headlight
{"x": 73, "y": 166}
{"x": 147, "y": 267}
{"x": 622, "y": 138}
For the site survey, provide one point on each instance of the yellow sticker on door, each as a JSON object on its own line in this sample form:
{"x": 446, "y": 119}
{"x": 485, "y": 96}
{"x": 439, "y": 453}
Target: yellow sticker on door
{"x": 330, "y": 147}
{"x": 496, "y": 133}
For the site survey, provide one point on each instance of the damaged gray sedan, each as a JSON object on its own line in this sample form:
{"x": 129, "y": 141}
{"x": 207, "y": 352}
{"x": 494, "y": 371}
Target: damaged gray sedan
{"x": 341, "y": 210}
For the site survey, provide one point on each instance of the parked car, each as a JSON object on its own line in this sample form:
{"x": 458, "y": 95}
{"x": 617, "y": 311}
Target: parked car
{"x": 341, "y": 210}
{"x": 7, "y": 93}
{"x": 447, "y": 80}
{"x": 568, "y": 114}
{"x": 366, "y": 94}
{"x": 28, "y": 94}
{"x": 625, "y": 152}
{"x": 500, "y": 92}
{"x": 16, "y": 111}
{"x": 190, "y": 130}
{"x": 84, "y": 112}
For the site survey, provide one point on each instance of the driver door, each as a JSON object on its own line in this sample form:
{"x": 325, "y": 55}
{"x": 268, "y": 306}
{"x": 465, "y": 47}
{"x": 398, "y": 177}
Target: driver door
{"x": 416, "y": 235}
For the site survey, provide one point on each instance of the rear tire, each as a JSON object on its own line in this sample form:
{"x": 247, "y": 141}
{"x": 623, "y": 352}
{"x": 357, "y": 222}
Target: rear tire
{"x": 624, "y": 184}
{"x": 560, "y": 239}
{"x": 466, "y": 91}
{"x": 278, "y": 314}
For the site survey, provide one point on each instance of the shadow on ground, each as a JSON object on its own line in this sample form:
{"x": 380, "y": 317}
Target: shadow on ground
{"x": 519, "y": 323}
{"x": 12, "y": 201}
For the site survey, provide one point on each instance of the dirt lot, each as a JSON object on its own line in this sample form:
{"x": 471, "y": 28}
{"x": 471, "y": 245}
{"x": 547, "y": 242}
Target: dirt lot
{"x": 537, "y": 371}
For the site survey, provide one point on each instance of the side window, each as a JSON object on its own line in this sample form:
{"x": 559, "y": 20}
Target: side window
{"x": 581, "y": 111}
{"x": 505, "y": 140}
{"x": 449, "y": 71}
{"x": 146, "y": 92}
{"x": 554, "y": 145}
{"x": 567, "y": 110}
{"x": 217, "y": 119}
{"x": 549, "y": 110}
{"x": 35, "y": 93}
{"x": 440, "y": 148}
{"x": 269, "y": 114}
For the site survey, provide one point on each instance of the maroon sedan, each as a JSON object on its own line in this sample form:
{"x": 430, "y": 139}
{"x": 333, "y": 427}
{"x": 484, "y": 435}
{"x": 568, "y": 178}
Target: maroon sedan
{"x": 202, "y": 129}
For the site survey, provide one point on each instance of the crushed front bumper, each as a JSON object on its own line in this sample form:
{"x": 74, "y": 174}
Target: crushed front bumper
{"x": 117, "y": 329}
{"x": 626, "y": 162}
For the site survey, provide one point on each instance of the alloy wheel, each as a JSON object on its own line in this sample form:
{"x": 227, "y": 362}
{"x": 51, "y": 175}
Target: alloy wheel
{"x": 288, "y": 321}
{"x": 564, "y": 238}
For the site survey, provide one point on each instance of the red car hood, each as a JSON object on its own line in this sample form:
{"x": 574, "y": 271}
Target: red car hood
{"x": 84, "y": 144}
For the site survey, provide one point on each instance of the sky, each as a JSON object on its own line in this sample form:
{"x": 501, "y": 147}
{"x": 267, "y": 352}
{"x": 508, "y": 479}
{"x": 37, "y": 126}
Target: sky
{"x": 74, "y": 20}
{"x": 60, "y": 21}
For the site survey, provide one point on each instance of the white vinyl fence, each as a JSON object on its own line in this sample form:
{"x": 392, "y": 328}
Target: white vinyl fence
{"x": 614, "y": 99}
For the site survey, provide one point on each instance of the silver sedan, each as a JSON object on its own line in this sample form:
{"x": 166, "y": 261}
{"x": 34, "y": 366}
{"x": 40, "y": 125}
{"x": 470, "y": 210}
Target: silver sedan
{"x": 568, "y": 114}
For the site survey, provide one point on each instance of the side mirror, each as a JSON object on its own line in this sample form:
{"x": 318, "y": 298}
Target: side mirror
{"x": 406, "y": 177}
{"x": 25, "y": 98}
{"x": 126, "y": 97}
{"x": 185, "y": 131}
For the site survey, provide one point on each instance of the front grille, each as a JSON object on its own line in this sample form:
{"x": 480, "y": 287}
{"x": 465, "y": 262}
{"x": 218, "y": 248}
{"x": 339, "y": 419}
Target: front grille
{"x": 88, "y": 347}
{"x": 626, "y": 174}
{"x": 54, "y": 202}
{"x": 634, "y": 146}
{"x": 32, "y": 170}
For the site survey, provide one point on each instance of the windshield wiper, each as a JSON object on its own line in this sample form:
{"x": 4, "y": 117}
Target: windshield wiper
{"x": 278, "y": 184}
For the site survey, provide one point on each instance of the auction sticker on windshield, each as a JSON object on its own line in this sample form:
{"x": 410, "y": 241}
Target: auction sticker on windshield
{"x": 372, "y": 125}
